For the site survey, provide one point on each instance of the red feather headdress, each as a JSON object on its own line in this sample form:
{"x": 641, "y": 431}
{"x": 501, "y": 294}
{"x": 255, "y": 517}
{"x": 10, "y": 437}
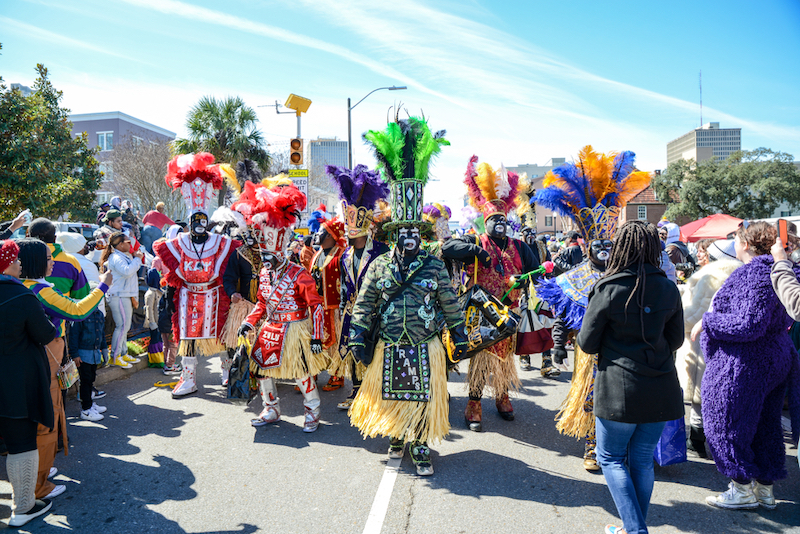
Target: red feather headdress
{"x": 196, "y": 177}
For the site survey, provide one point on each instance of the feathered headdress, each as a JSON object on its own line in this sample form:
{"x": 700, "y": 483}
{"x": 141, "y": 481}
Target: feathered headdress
{"x": 196, "y": 177}
{"x": 472, "y": 218}
{"x": 404, "y": 152}
{"x": 439, "y": 216}
{"x": 317, "y": 217}
{"x": 279, "y": 180}
{"x": 359, "y": 190}
{"x": 229, "y": 222}
{"x": 525, "y": 208}
{"x": 593, "y": 190}
{"x": 491, "y": 192}
{"x": 271, "y": 214}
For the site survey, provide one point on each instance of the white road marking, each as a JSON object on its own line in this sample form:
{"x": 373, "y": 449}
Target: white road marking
{"x": 384, "y": 494}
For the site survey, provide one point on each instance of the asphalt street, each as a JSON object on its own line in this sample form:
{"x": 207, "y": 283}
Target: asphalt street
{"x": 195, "y": 465}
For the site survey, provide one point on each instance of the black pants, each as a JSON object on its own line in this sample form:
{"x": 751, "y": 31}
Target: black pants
{"x": 19, "y": 434}
{"x": 88, "y": 372}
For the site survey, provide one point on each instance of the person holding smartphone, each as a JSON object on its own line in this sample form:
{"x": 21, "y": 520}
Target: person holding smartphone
{"x": 123, "y": 294}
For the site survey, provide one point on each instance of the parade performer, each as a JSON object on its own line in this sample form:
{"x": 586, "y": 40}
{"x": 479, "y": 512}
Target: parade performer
{"x": 240, "y": 279}
{"x": 196, "y": 262}
{"x": 289, "y": 342}
{"x": 407, "y": 293}
{"x": 326, "y": 272}
{"x": 491, "y": 260}
{"x": 527, "y": 215}
{"x": 359, "y": 190}
{"x": 592, "y": 191}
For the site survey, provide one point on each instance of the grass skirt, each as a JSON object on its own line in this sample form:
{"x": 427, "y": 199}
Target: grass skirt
{"x": 237, "y": 313}
{"x": 296, "y": 344}
{"x": 406, "y": 420}
{"x": 500, "y": 374}
{"x": 200, "y": 347}
{"x": 344, "y": 368}
{"x": 573, "y": 419}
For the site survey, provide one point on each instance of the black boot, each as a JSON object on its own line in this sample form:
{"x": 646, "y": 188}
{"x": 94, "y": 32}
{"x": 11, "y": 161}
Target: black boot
{"x": 697, "y": 441}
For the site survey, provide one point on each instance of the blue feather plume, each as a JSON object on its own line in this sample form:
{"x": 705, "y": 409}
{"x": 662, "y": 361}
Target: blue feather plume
{"x": 623, "y": 167}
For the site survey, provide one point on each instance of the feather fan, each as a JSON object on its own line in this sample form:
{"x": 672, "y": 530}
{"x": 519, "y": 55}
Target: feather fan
{"x": 358, "y": 187}
{"x": 484, "y": 184}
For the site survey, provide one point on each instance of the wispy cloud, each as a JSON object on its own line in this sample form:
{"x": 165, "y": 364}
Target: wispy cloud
{"x": 29, "y": 31}
{"x": 219, "y": 18}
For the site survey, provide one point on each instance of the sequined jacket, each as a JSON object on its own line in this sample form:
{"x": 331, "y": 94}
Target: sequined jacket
{"x": 416, "y": 313}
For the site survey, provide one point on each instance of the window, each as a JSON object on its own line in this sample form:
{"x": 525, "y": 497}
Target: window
{"x": 137, "y": 141}
{"x": 641, "y": 213}
{"x": 104, "y": 197}
{"x": 786, "y": 214}
{"x": 105, "y": 140}
{"x": 548, "y": 221}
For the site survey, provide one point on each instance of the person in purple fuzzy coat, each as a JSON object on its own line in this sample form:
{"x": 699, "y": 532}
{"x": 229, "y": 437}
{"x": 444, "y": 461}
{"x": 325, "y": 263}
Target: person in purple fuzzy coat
{"x": 750, "y": 361}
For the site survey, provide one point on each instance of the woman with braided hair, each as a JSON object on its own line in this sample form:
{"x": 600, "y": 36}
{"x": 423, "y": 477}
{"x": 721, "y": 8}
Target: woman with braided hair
{"x": 634, "y": 322}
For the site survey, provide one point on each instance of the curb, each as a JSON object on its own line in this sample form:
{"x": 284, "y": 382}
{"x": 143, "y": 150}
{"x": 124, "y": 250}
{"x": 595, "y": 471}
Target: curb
{"x": 110, "y": 374}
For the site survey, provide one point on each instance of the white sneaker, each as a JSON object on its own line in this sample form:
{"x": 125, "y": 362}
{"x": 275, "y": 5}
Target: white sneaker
{"x": 91, "y": 415}
{"x": 58, "y": 490}
{"x": 225, "y": 376}
{"x": 52, "y": 473}
{"x": 97, "y": 408}
{"x": 764, "y": 496}
{"x": 738, "y": 496}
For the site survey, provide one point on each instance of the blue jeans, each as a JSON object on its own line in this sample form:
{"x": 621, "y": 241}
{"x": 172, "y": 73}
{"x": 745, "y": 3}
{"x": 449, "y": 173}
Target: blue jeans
{"x": 625, "y": 452}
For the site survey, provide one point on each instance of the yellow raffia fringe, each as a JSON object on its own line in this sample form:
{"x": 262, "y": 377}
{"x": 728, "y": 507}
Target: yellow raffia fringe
{"x": 407, "y": 420}
{"x": 236, "y": 315}
{"x": 343, "y": 368}
{"x": 486, "y": 369}
{"x": 202, "y": 347}
{"x": 572, "y": 419}
{"x": 296, "y": 343}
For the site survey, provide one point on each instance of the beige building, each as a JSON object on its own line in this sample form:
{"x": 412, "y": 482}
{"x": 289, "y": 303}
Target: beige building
{"x": 547, "y": 222}
{"x": 703, "y": 143}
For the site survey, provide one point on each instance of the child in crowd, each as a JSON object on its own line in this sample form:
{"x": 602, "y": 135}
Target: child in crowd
{"x": 86, "y": 340}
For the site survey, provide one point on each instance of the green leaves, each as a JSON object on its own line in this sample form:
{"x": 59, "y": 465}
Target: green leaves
{"x": 42, "y": 167}
{"x": 748, "y": 185}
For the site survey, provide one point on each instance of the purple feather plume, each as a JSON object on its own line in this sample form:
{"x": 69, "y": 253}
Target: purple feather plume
{"x": 359, "y": 187}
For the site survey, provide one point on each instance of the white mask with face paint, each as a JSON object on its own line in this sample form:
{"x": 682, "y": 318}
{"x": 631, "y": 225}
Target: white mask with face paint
{"x": 409, "y": 240}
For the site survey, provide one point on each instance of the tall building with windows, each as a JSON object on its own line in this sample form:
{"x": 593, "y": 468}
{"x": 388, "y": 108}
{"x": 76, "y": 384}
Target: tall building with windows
{"x": 320, "y": 153}
{"x": 104, "y": 130}
{"x": 547, "y": 222}
{"x": 703, "y": 143}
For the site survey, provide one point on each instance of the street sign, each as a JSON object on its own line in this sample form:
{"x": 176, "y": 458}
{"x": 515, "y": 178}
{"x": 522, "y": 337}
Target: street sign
{"x": 300, "y": 179}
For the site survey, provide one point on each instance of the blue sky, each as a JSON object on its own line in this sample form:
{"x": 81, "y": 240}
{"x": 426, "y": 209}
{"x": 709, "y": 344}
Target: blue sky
{"x": 513, "y": 82}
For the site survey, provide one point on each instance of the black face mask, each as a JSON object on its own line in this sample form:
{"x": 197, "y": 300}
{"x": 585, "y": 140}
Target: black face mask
{"x": 272, "y": 260}
{"x": 409, "y": 240}
{"x": 320, "y": 236}
{"x": 600, "y": 251}
{"x": 496, "y": 226}
{"x": 199, "y": 225}
{"x": 249, "y": 239}
{"x": 529, "y": 237}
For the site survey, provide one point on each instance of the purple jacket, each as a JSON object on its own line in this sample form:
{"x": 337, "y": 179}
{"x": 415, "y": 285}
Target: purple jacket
{"x": 750, "y": 361}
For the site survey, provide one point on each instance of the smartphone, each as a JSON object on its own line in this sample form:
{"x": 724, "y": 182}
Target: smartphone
{"x": 783, "y": 231}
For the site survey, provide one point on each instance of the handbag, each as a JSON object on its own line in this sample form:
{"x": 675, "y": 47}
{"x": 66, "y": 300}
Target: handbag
{"x": 239, "y": 388}
{"x": 671, "y": 446}
{"x": 67, "y": 374}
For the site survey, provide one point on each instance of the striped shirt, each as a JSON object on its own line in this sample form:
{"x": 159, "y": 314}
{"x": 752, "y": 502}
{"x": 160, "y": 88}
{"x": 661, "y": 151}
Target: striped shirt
{"x": 61, "y": 309}
{"x": 67, "y": 275}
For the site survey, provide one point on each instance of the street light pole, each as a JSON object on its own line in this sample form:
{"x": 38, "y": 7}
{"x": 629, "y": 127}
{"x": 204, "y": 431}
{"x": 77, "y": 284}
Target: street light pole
{"x": 349, "y": 122}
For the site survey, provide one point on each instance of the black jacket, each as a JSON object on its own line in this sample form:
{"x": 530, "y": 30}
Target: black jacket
{"x": 464, "y": 250}
{"x": 24, "y": 370}
{"x": 636, "y": 382}
{"x": 238, "y": 276}
{"x": 569, "y": 258}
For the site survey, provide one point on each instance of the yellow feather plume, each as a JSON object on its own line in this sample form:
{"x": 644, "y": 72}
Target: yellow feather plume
{"x": 229, "y": 174}
{"x": 277, "y": 180}
{"x": 636, "y": 183}
{"x": 487, "y": 182}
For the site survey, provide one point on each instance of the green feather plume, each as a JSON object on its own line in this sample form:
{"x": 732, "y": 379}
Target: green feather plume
{"x": 404, "y": 143}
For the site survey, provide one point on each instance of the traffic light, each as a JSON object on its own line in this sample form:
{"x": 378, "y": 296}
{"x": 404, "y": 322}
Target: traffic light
{"x": 296, "y": 151}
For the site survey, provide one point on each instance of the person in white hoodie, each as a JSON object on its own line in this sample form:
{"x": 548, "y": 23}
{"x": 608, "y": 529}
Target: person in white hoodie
{"x": 123, "y": 293}
{"x": 697, "y": 295}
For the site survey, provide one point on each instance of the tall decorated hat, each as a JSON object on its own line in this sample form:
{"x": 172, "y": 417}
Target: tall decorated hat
{"x": 404, "y": 152}
{"x": 593, "y": 190}
{"x": 271, "y": 214}
{"x": 490, "y": 192}
{"x": 439, "y": 216}
{"x": 197, "y": 178}
{"x": 525, "y": 207}
{"x": 359, "y": 189}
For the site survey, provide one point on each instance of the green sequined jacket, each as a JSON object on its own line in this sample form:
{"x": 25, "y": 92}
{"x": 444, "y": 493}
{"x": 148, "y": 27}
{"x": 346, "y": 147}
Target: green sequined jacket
{"x": 418, "y": 312}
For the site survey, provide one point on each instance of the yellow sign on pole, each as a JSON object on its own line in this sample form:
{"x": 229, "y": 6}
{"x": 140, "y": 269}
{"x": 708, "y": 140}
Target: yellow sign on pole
{"x": 300, "y": 179}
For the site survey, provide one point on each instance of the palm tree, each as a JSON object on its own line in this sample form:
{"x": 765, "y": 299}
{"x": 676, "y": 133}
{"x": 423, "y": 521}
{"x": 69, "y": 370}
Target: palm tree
{"x": 227, "y": 129}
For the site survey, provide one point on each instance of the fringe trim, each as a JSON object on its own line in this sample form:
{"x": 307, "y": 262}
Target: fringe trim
{"x": 499, "y": 374}
{"x": 237, "y": 313}
{"x": 571, "y": 312}
{"x": 573, "y": 419}
{"x": 409, "y": 421}
{"x": 343, "y": 368}
{"x": 199, "y": 347}
{"x": 296, "y": 345}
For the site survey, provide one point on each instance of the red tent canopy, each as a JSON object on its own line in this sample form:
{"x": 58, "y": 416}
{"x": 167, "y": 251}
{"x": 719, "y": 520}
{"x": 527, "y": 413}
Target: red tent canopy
{"x": 715, "y": 226}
